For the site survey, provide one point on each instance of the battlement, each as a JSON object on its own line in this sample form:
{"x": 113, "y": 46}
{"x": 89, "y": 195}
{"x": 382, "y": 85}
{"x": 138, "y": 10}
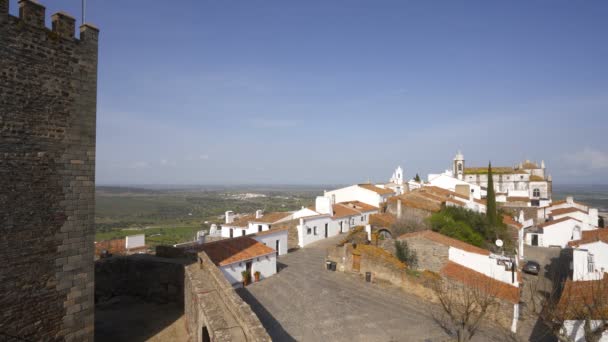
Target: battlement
{"x": 33, "y": 14}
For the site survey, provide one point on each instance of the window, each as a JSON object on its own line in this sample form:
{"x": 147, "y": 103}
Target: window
{"x": 362, "y": 218}
{"x": 590, "y": 263}
{"x": 459, "y": 167}
{"x": 521, "y": 177}
{"x": 315, "y": 228}
{"x": 536, "y": 192}
{"x": 259, "y": 228}
{"x": 308, "y": 230}
{"x": 243, "y": 232}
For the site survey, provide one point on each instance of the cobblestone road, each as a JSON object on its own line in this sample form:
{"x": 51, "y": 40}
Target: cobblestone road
{"x": 304, "y": 302}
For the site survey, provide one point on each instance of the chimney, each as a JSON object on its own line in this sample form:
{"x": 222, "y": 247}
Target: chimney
{"x": 229, "y": 216}
{"x": 258, "y": 214}
{"x": 594, "y": 217}
{"x": 570, "y": 200}
{"x": 323, "y": 205}
{"x": 31, "y": 12}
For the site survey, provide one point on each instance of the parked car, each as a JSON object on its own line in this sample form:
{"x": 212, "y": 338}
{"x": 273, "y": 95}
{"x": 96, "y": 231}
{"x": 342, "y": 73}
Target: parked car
{"x": 532, "y": 267}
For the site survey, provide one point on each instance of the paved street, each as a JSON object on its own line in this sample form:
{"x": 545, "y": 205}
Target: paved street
{"x": 305, "y": 302}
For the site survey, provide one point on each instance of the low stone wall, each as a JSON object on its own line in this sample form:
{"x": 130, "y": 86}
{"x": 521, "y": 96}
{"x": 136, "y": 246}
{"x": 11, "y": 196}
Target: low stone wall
{"x": 213, "y": 310}
{"x": 151, "y": 278}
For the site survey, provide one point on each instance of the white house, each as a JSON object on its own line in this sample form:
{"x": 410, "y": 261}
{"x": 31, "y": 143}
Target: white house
{"x": 447, "y": 181}
{"x": 589, "y": 217}
{"x": 556, "y": 233}
{"x": 275, "y": 238}
{"x": 366, "y": 193}
{"x": 250, "y": 223}
{"x": 233, "y": 256}
{"x": 590, "y": 255}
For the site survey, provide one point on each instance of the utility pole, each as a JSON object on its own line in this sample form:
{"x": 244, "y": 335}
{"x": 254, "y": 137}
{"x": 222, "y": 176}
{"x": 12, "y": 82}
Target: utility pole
{"x": 84, "y": 9}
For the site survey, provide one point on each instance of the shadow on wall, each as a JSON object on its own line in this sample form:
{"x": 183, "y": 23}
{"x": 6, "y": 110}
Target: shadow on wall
{"x": 272, "y": 326}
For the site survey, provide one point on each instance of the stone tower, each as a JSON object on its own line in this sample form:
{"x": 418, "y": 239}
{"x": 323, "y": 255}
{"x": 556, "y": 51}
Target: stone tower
{"x": 48, "y": 95}
{"x": 458, "y": 166}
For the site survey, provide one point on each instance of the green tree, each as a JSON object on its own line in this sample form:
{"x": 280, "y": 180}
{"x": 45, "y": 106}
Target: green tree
{"x": 417, "y": 178}
{"x": 405, "y": 254}
{"x": 491, "y": 213}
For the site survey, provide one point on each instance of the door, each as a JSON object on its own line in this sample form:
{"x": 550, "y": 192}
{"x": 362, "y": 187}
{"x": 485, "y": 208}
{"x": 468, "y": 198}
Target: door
{"x": 534, "y": 240}
{"x": 231, "y": 232}
{"x": 356, "y": 262}
{"x": 248, "y": 266}
{"x": 326, "y": 230}
{"x": 277, "y": 245}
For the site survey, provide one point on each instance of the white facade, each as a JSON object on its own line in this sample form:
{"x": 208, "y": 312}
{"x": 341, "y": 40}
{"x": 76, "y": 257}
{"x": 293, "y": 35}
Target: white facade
{"x": 315, "y": 228}
{"x": 591, "y": 218}
{"x": 357, "y": 193}
{"x": 135, "y": 241}
{"x": 447, "y": 181}
{"x": 492, "y": 266}
{"x": 276, "y": 240}
{"x": 558, "y": 234}
{"x": 266, "y": 265}
{"x": 590, "y": 261}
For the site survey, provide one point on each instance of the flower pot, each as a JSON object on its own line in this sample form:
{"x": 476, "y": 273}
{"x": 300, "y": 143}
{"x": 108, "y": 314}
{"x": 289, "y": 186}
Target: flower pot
{"x": 257, "y": 277}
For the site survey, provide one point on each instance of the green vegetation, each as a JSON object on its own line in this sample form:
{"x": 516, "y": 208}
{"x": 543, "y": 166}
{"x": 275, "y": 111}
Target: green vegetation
{"x": 174, "y": 216}
{"x": 468, "y": 226}
{"x": 405, "y": 254}
{"x": 417, "y": 178}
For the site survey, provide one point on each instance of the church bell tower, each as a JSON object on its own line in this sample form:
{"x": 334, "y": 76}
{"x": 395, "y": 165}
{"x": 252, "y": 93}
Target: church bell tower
{"x": 458, "y": 167}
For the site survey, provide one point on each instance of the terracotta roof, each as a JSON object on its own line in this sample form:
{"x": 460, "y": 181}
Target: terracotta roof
{"x": 271, "y": 217}
{"x": 341, "y": 210}
{"x": 242, "y": 221}
{"x": 376, "y": 189}
{"x": 508, "y": 220}
{"x": 568, "y": 210}
{"x": 480, "y": 201}
{"x": 480, "y": 281}
{"x": 382, "y": 219}
{"x": 555, "y": 203}
{"x": 229, "y": 251}
{"x": 444, "y": 192}
{"x": 550, "y": 223}
{"x": 413, "y": 200}
{"x": 270, "y": 231}
{"x": 584, "y": 298}
{"x": 590, "y": 236}
{"x": 360, "y": 206}
{"x": 535, "y": 178}
{"x": 445, "y": 240}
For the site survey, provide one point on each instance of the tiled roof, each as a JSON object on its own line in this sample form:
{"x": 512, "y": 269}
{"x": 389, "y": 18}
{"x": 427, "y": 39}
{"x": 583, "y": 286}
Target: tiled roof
{"x": 480, "y": 281}
{"x": 495, "y": 170}
{"x": 229, "y": 251}
{"x": 590, "y": 236}
{"x": 578, "y": 296}
{"x": 508, "y": 220}
{"x": 341, "y": 210}
{"x": 518, "y": 199}
{"x": 535, "y": 178}
{"x": 563, "y": 211}
{"x": 382, "y": 219}
{"x": 550, "y": 223}
{"x": 360, "y": 206}
{"x": 376, "y": 189}
{"x": 444, "y": 192}
{"x": 242, "y": 221}
{"x": 445, "y": 240}
{"x": 418, "y": 201}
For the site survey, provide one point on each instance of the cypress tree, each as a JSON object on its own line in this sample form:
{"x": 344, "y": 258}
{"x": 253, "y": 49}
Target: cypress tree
{"x": 491, "y": 199}
{"x": 417, "y": 178}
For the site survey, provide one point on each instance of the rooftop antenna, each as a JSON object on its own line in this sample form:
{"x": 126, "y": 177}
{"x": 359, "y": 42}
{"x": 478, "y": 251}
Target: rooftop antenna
{"x": 84, "y": 9}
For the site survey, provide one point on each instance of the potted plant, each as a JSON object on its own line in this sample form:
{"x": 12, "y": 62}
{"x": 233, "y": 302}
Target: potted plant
{"x": 257, "y": 276}
{"x": 246, "y": 278}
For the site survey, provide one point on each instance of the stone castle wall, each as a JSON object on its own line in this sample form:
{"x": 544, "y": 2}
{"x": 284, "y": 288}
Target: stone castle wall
{"x": 48, "y": 87}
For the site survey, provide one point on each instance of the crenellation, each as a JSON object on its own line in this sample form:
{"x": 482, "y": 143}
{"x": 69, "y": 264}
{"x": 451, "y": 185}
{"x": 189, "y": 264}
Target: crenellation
{"x": 32, "y": 13}
{"x": 64, "y": 25}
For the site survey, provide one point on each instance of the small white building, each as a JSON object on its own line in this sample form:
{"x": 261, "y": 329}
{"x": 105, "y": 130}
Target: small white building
{"x": 590, "y": 255}
{"x": 250, "y": 223}
{"x": 233, "y": 256}
{"x": 274, "y": 238}
{"x": 366, "y": 193}
{"x": 557, "y": 233}
{"x": 447, "y": 181}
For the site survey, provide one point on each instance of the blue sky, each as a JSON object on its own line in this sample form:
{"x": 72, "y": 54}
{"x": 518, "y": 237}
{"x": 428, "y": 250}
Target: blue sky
{"x": 309, "y": 92}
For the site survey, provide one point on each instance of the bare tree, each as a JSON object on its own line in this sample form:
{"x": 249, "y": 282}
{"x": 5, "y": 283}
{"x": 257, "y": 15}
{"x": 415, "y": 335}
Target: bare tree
{"x": 582, "y": 303}
{"x": 464, "y": 307}
{"x": 407, "y": 224}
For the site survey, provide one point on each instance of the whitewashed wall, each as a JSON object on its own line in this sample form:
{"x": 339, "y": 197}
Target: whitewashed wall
{"x": 270, "y": 240}
{"x": 449, "y": 183}
{"x": 576, "y": 330}
{"x": 356, "y": 193}
{"x": 267, "y": 265}
{"x": 305, "y": 237}
{"x": 580, "y": 270}
{"x": 482, "y": 264}
{"x": 135, "y": 241}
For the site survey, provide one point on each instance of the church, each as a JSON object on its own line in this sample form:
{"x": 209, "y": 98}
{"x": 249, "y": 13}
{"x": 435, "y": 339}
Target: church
{"x": 525, "y": 182}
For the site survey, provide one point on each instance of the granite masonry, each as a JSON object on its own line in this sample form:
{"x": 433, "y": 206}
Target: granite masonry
{"x": 48, "y": 88}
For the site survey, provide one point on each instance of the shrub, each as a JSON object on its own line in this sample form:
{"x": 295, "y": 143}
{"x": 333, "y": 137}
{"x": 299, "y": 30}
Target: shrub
{"x": 405, "y": 254}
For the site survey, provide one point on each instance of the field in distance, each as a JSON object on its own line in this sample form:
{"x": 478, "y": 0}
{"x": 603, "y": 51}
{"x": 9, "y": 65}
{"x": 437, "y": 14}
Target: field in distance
{"x": 169, "y": 215}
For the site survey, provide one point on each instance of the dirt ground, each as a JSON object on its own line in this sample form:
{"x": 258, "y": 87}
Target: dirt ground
{"x": 131, "y": 319}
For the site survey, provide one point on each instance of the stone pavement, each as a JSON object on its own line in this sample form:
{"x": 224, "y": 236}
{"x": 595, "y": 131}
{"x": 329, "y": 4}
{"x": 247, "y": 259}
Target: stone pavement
{"x": 304, "y": 302}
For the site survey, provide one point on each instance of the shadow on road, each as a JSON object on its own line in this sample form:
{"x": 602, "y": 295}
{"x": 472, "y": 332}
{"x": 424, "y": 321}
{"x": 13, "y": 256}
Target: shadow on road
{"x": 273, "y": 327}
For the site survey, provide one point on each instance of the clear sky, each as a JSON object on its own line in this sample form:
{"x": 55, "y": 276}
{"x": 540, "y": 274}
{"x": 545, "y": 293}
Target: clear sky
{"x": 309, "y": 92}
